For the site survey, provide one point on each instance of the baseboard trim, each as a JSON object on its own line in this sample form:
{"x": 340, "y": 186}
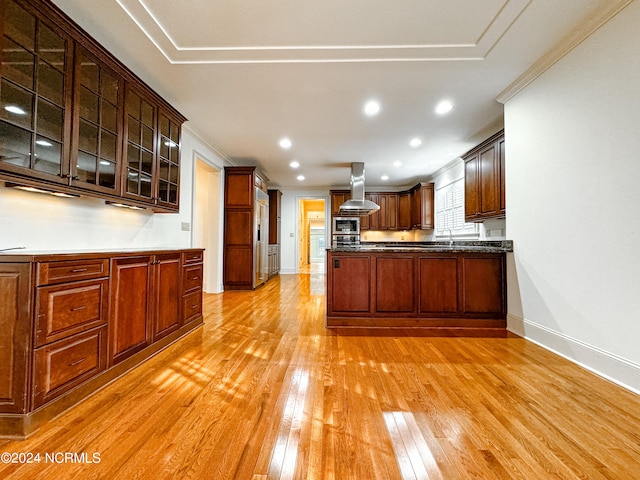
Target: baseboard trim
{"x": 614, "y": 368}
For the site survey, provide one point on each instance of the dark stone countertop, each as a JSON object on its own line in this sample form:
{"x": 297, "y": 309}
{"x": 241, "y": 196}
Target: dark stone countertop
{"x": 490, "y": 246}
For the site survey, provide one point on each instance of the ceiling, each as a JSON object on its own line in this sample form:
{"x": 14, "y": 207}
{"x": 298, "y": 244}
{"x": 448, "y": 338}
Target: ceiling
{"x": 247, "y": 73}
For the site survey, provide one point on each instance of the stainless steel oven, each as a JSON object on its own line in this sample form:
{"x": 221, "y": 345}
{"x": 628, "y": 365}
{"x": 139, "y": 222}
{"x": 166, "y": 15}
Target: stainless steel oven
{"x": 346, "y": 240}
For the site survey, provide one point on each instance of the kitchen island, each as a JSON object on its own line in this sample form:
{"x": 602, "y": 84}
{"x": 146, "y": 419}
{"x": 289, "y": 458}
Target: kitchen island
{"x": 439, "y": 285}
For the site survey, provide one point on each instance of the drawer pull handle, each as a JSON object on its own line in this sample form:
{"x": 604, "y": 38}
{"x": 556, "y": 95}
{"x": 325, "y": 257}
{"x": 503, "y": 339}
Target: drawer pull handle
{"x": 79, "y": 270}
{"x": 193, "y": 307}
{"x": 194, "y": 278}
{"x": 76, "y": 309}
{"x": 77, "y": 362}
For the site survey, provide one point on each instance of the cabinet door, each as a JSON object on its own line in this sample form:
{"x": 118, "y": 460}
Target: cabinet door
{"x": 168, "y": 173}
{"x": 404, "y": 211}
{"x": 438, "y": 285}
{"x": 389, "y": 218}
{"x": 130, "y": 301}
{"x": 426, "y": 207}
{"x": 375, "y": 218}
{"x": 349, "y": 284}
{"x": 168, "y": 293}
{"x": 489, "y": 176}
{"x": 15, "y": 334}
{"x": 395, "y": 284}
{"x": 501, "y": 163}
{"x": 140, "y": 132}
{"x": 35, "y": 96}
{"x": 483, "y": 286}
{"x": 96, "y": 143}
{"x": 471, "y": 188}
{"x": 338, "y": 197}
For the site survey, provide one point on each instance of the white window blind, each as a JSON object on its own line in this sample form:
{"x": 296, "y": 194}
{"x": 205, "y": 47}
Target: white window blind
{"x": 450, "y": 211}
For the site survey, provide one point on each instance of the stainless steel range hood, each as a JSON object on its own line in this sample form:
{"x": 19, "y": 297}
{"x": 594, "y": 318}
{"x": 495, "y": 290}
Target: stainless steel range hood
{"x": 357, "y": 206}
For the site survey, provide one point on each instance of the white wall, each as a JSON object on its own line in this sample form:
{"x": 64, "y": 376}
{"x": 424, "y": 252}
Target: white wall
{"x": 572, "y": 139}
{"x": 42, "y": 222}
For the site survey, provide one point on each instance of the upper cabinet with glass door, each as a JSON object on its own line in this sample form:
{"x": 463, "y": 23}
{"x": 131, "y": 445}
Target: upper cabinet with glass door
{"x": 72, "y": 116}
{"x": 34, "y": 96}
{"x": 95, "y": 151}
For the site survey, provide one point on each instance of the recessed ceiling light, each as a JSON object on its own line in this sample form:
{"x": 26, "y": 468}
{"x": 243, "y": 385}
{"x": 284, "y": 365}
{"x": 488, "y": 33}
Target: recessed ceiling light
{"x": 443, "y": 107}
{"x": 15, "y": 109}
{"x": 300, "y": 177}
{"x": 371, "y": 108}
{"x": 294, "y": 164}
{"x": 285, "y": 143}
{"x": 384, "y": 177}
{"x": 415, "y": 142}
{"x": 397, "y": 163}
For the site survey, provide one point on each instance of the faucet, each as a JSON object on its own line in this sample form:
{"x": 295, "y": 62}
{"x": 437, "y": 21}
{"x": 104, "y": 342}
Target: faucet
{"x": 450, "y": 236}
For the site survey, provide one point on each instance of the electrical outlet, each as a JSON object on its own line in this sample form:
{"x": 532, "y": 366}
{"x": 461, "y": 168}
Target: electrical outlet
{"x": 186, "y": 226}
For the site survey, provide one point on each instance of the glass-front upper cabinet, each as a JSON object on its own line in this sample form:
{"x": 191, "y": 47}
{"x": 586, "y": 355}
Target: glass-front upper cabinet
{"x": 168, "y": 161}
{"x": 95, "y": 151}
{"x": 140, "y": 128}
{"x": 34, "y": 96}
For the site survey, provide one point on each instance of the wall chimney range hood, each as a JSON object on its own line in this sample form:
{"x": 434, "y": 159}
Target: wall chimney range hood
{"x": 357, "y": 206}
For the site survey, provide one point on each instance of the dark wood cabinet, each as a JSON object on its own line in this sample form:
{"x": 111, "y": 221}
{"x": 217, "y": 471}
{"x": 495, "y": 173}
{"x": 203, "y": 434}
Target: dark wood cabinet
{"x": 395, "y": 292}
{"x": 411, "y": 209}
{"x": 422, "y": 208}
{"x": 131, "y": 305}
{"x": 484, "y": 180}
{"x": 167, "y": 287}
{"x": 338, "y": 197}
{"x": 240, "y": 238}
{"x": 438, "y": 285}
{"x": 70, "y": 323}
{"x": 73, "y": 119}
{"x": 404, "y": 210}
{"x": 15, "y": 336}
{"x": 192, "y": 283}
{"x": 349, "y": 285}
{"x": 429, "y": 290}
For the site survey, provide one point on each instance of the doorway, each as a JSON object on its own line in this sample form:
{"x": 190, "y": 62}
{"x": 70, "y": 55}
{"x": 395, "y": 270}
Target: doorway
{"x": 312, "y": 235}
{"x": 206, "y": 222}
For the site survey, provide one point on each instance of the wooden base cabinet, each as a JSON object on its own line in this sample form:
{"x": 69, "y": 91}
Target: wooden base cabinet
{"x": 94, "y": 317}
{"x": 428, "y": 290}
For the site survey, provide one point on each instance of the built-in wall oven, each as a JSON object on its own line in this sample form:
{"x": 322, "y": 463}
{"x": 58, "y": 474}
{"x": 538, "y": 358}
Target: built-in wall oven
{"x": 346, "y": 231}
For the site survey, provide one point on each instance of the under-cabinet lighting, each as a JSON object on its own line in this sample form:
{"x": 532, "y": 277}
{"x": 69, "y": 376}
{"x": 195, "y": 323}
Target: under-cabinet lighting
{"x": 123, "y": 205}
{"x": 42, "y": 190}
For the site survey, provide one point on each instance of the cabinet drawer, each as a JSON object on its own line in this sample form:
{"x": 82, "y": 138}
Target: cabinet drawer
{"x": 68, "y": 270}
{"x": 62, "y": 365}
{"x": 191, "y": 306}
{"x": 191, "y": 278}
{"x": 192, "y": 257}
{"x": 67, "y": 309}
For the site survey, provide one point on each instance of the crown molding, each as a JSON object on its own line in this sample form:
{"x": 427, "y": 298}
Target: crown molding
{"x": 575, "y": 37}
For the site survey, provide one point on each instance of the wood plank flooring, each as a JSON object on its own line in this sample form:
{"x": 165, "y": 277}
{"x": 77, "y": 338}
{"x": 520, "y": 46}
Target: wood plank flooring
{"x": 265, "y": 391}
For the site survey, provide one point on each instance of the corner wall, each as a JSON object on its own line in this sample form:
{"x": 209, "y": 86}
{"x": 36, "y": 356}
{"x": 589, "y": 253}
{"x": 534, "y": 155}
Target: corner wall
{"x": 573, "y": 137}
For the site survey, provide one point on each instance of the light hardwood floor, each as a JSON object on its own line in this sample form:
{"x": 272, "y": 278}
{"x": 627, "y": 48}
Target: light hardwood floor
{"x": 265, "y": 391}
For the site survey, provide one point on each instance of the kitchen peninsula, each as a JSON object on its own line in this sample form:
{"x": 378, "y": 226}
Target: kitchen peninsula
{"x": 441, "y": 285}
